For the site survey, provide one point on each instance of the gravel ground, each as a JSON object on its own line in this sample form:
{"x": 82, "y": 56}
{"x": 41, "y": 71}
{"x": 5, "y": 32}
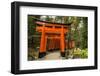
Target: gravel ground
{"x": 55, "y": 55}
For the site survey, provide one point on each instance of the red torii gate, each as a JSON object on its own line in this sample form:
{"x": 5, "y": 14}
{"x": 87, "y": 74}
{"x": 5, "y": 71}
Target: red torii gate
{"x": 55, "y": 33}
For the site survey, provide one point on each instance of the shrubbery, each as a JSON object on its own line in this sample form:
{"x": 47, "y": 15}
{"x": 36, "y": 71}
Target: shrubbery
{"x": 79, "y": 53}
{"x": 84, "y": 53}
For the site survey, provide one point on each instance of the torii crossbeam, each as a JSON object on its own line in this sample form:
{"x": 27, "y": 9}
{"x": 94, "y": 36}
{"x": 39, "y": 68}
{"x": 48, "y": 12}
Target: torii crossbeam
{"x": 52, "y": 36}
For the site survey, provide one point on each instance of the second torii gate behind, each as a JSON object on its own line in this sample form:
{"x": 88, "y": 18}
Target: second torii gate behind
{"x": 53, "y": 31}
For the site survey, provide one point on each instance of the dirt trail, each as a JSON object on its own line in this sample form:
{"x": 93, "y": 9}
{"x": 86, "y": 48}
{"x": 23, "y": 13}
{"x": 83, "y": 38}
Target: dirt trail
{"x": 52, "y": 56}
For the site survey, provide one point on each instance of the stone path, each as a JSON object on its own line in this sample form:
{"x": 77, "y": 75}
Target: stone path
{"x": 55, "y": 55}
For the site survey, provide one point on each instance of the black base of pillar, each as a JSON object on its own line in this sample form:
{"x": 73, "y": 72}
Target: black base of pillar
{"x": 63, "y": 54}
{"x": 42, "y": 54}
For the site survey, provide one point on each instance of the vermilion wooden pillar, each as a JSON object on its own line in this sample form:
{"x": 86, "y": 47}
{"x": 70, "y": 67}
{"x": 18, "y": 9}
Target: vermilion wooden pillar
{"x": 53, "y": 43}
{"x": 42, "y": 51}
{"x": 45, "y": 43}
{"x": 62, "y": 42}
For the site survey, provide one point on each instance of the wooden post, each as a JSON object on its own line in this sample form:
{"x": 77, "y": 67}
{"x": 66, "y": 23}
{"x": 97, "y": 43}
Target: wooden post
{"x": 45, "y": 43}
{"x": 58, "y": 44}
{"x": 62, "y": 42}
{"x": 55, "y": 43}
{"x": 42, "y": 51}
{"x": 51, "y": 43}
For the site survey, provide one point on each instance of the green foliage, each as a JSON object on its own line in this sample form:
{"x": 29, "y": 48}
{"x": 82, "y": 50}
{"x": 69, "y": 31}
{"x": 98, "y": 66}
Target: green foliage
{"x": 32, "y": 54}
{"x": 84, "y": 32}
{"x": 84, "y": 53}
{"x": 79, "y": 31}
{"x": 48, "y": 19}
{"x": 33, "y": 42}
{"x": 80, "y": 53}
{"x": 76, "y": 53}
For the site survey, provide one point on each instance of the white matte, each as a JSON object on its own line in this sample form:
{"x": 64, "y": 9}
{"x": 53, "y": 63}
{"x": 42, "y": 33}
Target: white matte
{"x": 25, "y": 64}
